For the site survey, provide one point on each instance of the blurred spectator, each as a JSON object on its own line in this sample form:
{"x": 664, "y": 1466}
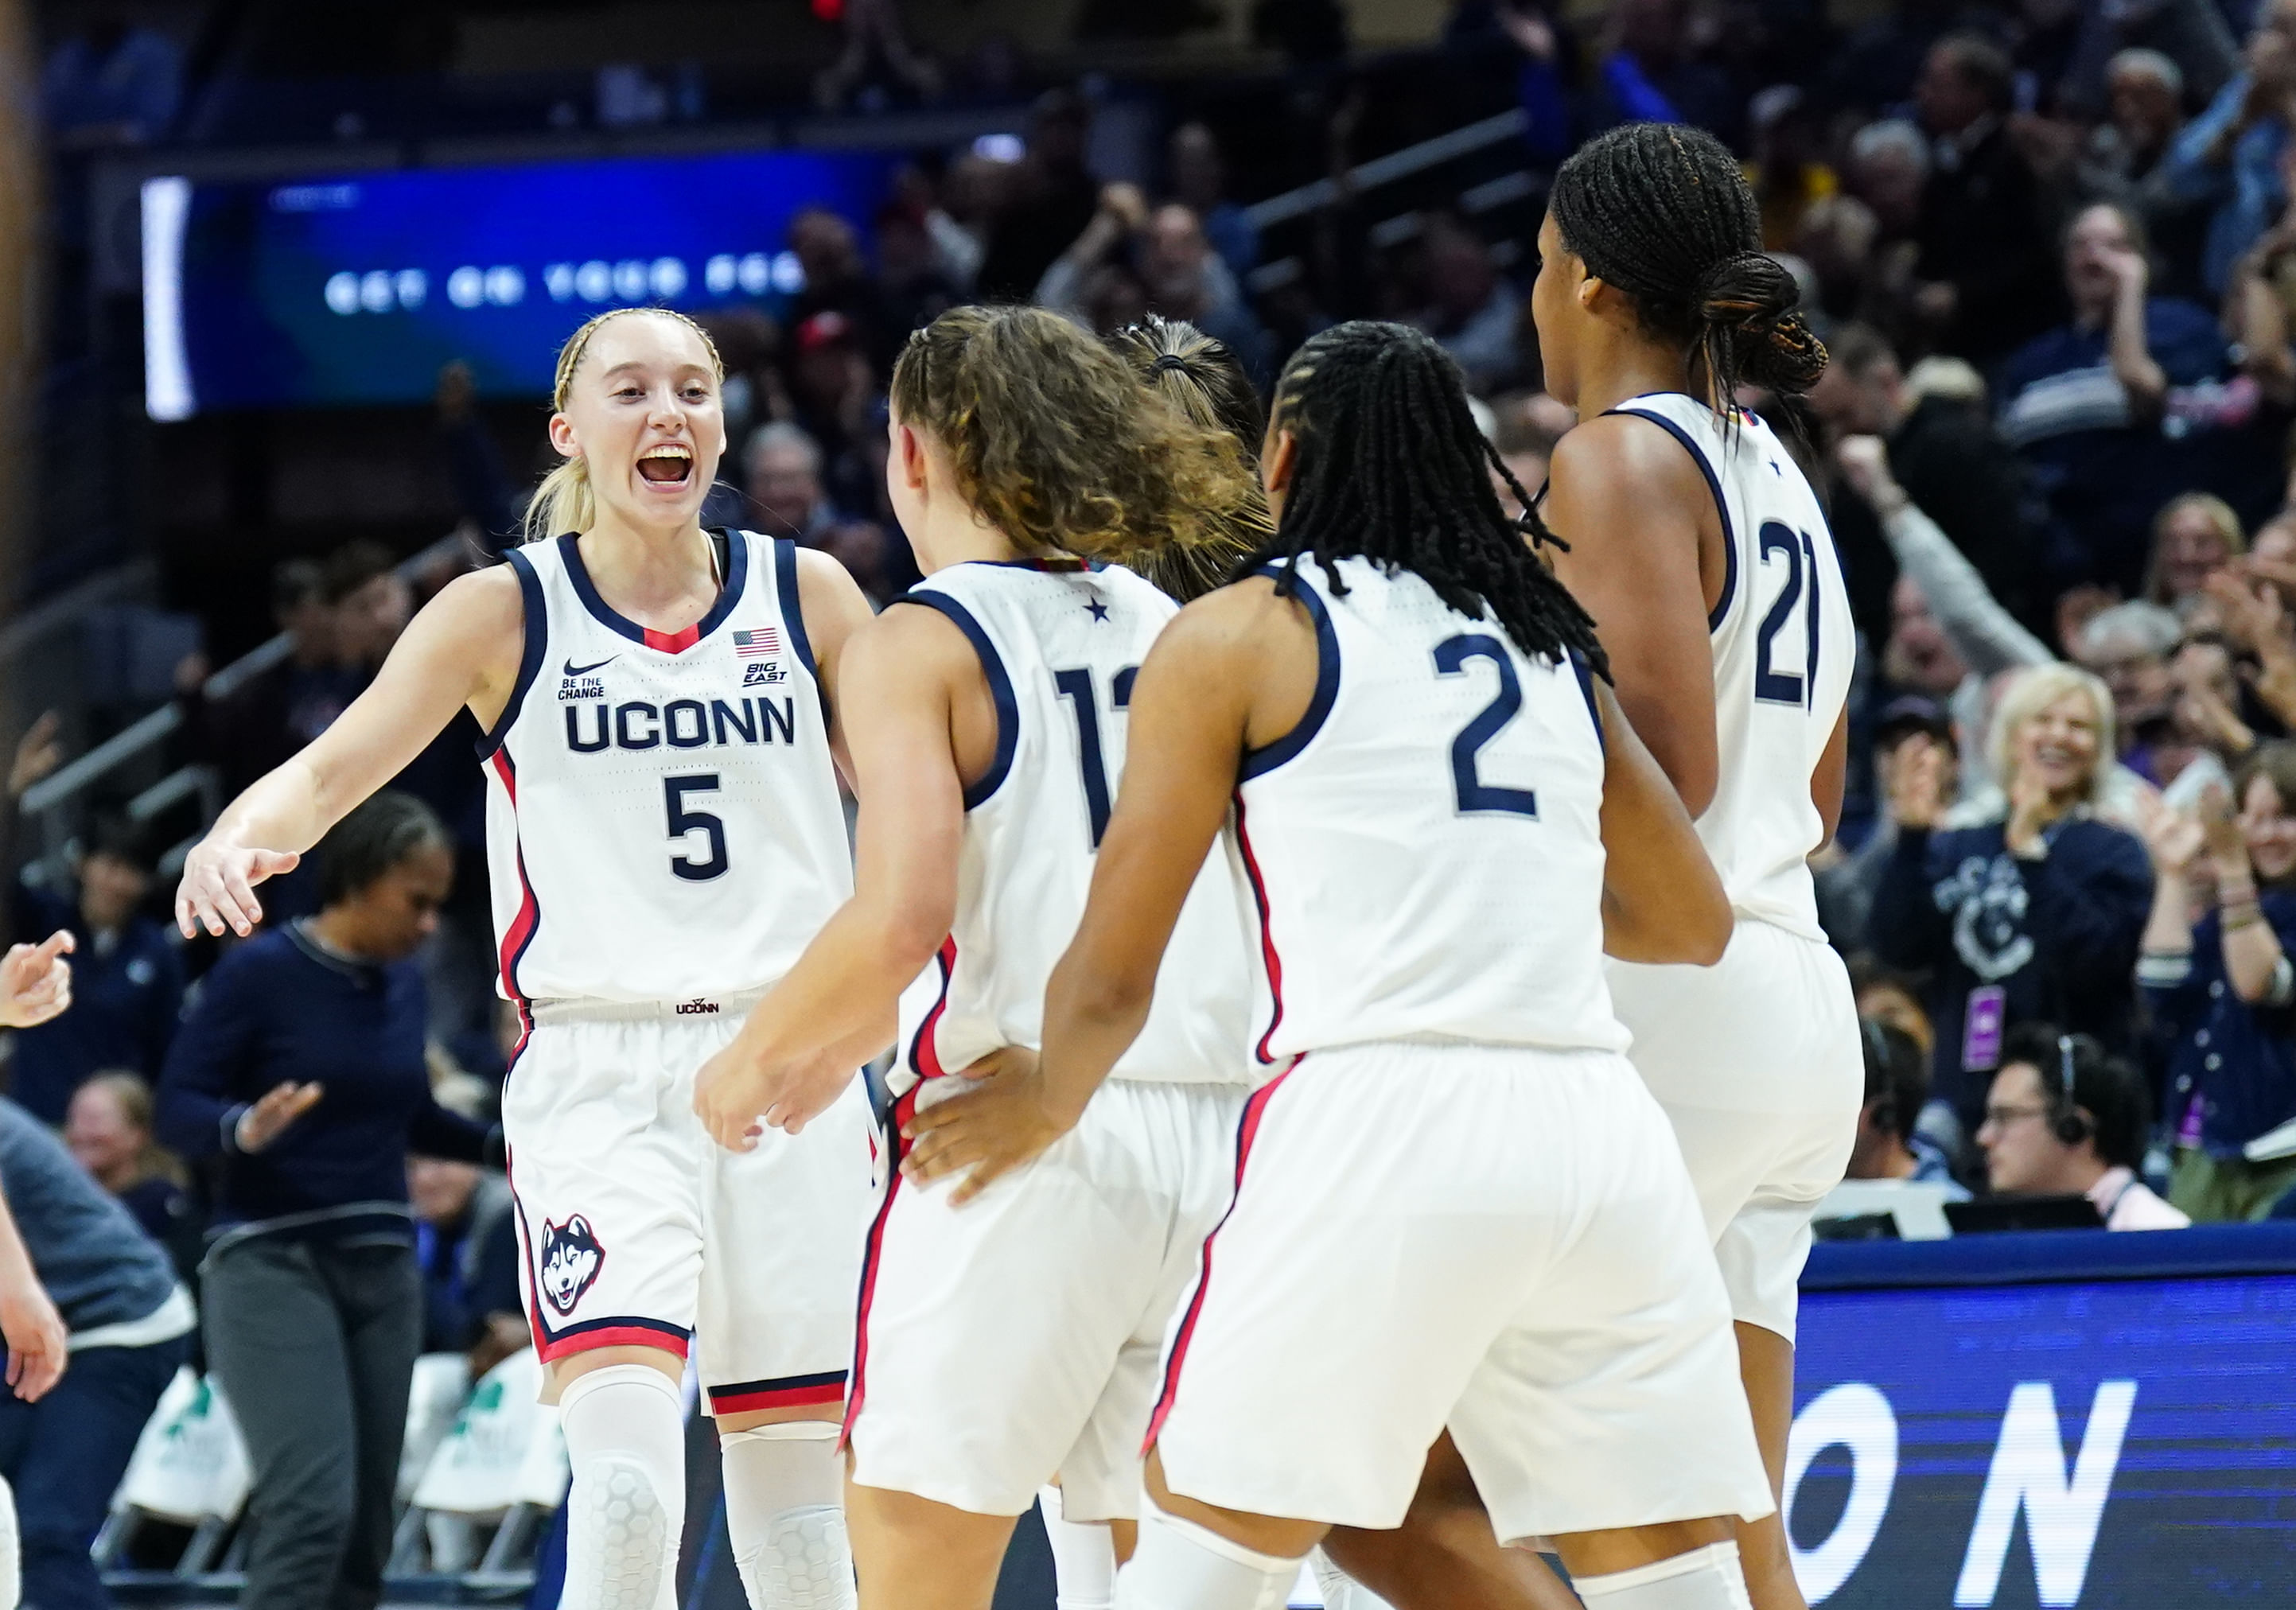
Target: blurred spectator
{"x": 113, "y": 82}
{"x": 276, "y": 712}
{"x": 1472, "y": 310}
{"x": 1948, "y": 459}
{"x": 786, "y": 492}
{"x": 2229, "y": 158}
{"x": 2035, "y": 912}
{"x": 1846, "y": 884}
{"x": 1984, "y": 265}
{"x": 1788, "y": 176}
{"x": 483, "y": 490}
{"x": 2195, "y": 536}
{"x": 877, "y": 62}
{"x": 2217, "y": 980}
{"x": 1052, "y": 198}
{"x": 838, "y": 403}
{"x": 128, "y": 975}
{"x": 1198, "y": 174}
{"x": 2127, "y": 648}
{"x": 971, "y": 194}
{"x": 301, "y": 1069}
{"x": 466, "y": 1244}
{"x": 2088, "y": 404}
{"x": 1186, "y": 280}
{"x": 108, "y": 1128}
{"x": 370, "y": 601}
{"x": 1877, "y": 65}
{"x": 1649, "y": 73}
{"x": 1889, "y": 169}
{"x": 1888, "y": 1146}
{"x": 78, "y": 1280}
{"x": 917, "y": 290}
{"x": 2064, "y": 1117}
{"x": 837, "y": 281}
{"x": 2126, "y": 159}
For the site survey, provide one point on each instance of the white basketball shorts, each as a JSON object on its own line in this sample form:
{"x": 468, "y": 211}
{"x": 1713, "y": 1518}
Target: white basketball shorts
{"x": 638, "y": 1230}
{"x": 1756, "y": 1061}
{"x": 1021, "y": 1334}
{"x": 1497, "y": 1239}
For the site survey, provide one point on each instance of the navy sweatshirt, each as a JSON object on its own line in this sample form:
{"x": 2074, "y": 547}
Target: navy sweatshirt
{"x": 280, "y": 1008}
{"x": 2236, "y": 1060}
{"x": 126, "y": 994}
{"x": 2059, "y": 935}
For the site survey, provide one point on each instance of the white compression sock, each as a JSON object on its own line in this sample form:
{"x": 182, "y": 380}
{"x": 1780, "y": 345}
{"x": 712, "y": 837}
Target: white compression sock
{"x": 1341, "y": 1591}
{"x": 785, "y": 1515}
{"x": 1180, "y": 1566}
{"x": 625, "y": 1439}
{"x": 1704, "y": 1579}
{"x": 1084, "y": 1556}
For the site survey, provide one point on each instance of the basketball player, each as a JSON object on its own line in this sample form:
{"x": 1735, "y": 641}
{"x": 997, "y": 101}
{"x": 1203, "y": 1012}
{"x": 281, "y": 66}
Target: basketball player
{"x": 1705, "y": 559}
{"x": 659, "y": 703}
{"x": 1005, "y": 1340}
{"x": 1455, "y": 1204}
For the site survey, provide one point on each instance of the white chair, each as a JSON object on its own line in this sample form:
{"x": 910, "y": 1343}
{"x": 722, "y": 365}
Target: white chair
{"x": 190, "y": 1466}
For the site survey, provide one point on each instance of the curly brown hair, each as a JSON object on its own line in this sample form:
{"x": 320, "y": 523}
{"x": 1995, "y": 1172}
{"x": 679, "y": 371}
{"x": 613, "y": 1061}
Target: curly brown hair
{"x": 1058, "y": 445}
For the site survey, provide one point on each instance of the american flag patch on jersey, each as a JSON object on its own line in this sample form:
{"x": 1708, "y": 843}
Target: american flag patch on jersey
{"x": 765, "y": 639}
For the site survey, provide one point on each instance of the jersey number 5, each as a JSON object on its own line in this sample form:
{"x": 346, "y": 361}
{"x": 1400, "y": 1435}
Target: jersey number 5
{"x": 684, "y": 823}
{"x": 1075, "y": 687}
{"x": 1773, "y": 686}
{"x": 1467, "y": 785}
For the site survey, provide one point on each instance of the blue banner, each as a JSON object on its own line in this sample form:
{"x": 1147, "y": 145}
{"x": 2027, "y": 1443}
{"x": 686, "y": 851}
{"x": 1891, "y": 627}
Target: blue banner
{"x": 358, "y": 289}
{"x": 2092, "y": 1442}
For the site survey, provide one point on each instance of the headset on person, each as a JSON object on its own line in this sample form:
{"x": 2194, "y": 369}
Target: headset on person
{"x": 2066, "y": 1121}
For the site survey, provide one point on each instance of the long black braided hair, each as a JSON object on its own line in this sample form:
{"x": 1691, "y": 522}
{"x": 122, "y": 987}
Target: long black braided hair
{"x": 1661, "y": 211}
{"x": 1392, "y": 468}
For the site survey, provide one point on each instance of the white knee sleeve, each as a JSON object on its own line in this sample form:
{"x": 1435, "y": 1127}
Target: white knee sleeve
{"x": 626, "y": 1440}
{"x": 1083, "y": 1556}
{"x": 1180, "y": 1566}
{"x": 1704, "y": 1579}
{"x": 1341, "y": 1591}
{"x": 785, "y": 1514}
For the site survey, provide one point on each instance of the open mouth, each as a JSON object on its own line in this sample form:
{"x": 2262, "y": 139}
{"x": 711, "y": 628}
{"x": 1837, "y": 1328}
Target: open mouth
{"x": 671, "y": 464}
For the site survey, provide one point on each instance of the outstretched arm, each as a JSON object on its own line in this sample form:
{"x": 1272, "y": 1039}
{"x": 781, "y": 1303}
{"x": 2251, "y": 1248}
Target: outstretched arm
{"x": 1661, "y": 899}
{"x": 463, "y": 648}
{"x": 836, "y": 1008}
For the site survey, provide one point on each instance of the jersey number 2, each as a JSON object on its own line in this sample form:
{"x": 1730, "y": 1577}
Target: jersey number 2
{"x": 684, "y": 823}
{"x": 1467, "y": 785}
{"x": 1771, "y": 685}
{"x": 1075, "y": 687}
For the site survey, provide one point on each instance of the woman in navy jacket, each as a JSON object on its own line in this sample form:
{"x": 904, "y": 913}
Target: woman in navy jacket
{"x": 301, "y": 1066}
{"x": 2032, "y": 911}
{"x": 2222, "y": 991}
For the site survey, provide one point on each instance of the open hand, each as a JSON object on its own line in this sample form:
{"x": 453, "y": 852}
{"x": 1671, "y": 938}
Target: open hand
{"x": 218, "y": 886}
{"x": 1000, "y": 1125}
{"x": 37, "y": 754}
{"x": 1918, "y": 770}
{"x": 36, "y": 981}
{"x": 2173, "y": 836}
{"x": 274, "y": 1113}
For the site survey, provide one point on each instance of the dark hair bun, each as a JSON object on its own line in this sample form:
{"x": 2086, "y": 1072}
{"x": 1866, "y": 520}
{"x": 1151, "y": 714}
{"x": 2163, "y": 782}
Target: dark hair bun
{"x": 1750, "y": 300}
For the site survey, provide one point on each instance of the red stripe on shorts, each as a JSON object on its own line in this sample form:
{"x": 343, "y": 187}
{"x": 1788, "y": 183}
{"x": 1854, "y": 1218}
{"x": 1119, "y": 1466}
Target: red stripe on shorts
{"x": 924, "y": 1055}
{"x": 857, "y": 1388}
{"x": 1246, "y": 1130}
{"x": 1274, "y": 962}
{"x": 792, "y": 1392}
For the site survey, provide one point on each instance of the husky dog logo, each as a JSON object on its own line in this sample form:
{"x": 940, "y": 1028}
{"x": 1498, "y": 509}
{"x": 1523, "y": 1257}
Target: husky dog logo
{"x": 571, "y": 1258}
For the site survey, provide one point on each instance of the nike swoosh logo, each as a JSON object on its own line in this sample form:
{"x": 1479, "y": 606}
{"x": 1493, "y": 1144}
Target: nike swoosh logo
{"x": 574, "y": 670}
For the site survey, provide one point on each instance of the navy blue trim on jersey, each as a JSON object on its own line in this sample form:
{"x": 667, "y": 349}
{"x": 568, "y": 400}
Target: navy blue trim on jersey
{"x": 737, "y": 578}
{"x": 1587, "y": 686}
{"x": 1720, "y": 612}
{"x": 529, "y": 659}
{"x": 1000, "y": 690}
{"x": 1268, "y": 756}
{"x": 792, "y": 606}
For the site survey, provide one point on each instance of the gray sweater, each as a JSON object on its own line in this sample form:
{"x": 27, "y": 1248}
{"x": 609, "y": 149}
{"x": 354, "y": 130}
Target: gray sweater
{"x": 96, "y": 1262}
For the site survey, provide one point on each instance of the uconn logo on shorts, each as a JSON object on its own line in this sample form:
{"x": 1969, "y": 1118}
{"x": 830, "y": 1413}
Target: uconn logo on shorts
{"x": 571, "y": 1258}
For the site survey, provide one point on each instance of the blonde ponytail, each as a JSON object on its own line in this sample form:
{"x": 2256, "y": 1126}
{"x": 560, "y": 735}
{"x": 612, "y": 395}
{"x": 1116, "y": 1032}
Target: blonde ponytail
{"x": 565, "y": 501}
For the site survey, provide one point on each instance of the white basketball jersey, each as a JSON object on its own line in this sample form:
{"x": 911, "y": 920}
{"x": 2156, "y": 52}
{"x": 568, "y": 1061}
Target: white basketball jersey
{"x": 1424, "y": 849}
{"x": 662, "y": 816}
{"x": 1783, "y": 650}
{"x": 1059, "y": 645}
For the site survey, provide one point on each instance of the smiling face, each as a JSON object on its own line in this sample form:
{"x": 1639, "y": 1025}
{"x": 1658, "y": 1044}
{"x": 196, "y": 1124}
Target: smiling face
{"x": 2192, "y": 548}
{"x": 2057, "y": 746}
{"x": 642, "y": 411}
{"x": 2269, "y": 827}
